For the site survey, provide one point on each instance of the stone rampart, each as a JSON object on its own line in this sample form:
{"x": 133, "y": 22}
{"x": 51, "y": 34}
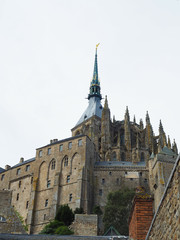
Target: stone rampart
{"x": 85, "y": 225}
{"x": 166, "y": 221}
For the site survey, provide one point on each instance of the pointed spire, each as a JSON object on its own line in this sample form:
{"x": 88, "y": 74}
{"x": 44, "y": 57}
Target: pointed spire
{"x": 95, "y": 90}
{"x": 114, "y": 120}
{"x": 161, "y": 130}
{"x": 174, "y": 147}
{"x": 127, "y": 114}
{"x": 134, "y": 119}
{"x": 169, "y": 142}
{"x": 147, "y": 117}
{"x": 106, "y": 103}
{"x": 141, "y": 124}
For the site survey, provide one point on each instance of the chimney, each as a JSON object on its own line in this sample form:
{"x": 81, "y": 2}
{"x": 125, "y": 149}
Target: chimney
{"x": 7, "y": 167}
{"x": 21, "y": 160}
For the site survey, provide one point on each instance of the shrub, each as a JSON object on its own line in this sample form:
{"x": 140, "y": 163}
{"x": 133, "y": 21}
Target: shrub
{"x": 63, "y": 230}
{"x": 51, "y": 227}
{"x": 65, "y": 215}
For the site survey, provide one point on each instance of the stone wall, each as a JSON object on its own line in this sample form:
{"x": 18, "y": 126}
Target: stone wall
{"x": 85, "y": 225}
{"x": 166, "y": 222}
{"x": 9, "y": 222}
{"x": 141, "y": 217}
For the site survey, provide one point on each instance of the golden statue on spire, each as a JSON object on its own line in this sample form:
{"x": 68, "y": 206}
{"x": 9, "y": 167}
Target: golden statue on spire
{"x": 97, "y": 45}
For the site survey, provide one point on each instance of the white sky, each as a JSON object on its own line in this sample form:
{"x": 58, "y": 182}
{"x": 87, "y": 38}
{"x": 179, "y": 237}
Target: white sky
{"x": 46, "y": 64}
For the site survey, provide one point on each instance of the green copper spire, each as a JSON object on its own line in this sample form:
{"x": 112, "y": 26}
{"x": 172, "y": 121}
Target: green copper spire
{"x": 95, "y": 90}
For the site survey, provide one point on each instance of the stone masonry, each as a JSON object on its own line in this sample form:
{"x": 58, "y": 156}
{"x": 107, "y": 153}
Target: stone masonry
{"x": 166, "y": 222}
{"x": 9, "y": 221}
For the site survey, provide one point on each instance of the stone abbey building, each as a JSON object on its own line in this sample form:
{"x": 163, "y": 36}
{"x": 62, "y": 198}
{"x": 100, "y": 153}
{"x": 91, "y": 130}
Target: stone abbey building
{"x": 103, "y": 155}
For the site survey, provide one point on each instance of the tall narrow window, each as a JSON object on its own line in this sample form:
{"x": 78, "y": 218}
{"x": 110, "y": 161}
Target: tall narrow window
{"x": 27, "y": 204}
{"x": 46, "y": 202}
{"x": 70, "y": 145}
{"x": 80, "y": 142}
{"x": 31, "y": 180}
{"x": 53, "y": 164}
{"x": 48, "y": 183}
{"x": 103, "y": 181}
{"x": 19, "y": 184}
{"x": 17, "y": 197}
{"x": 65, "y": 161}
{"x": 18, "y": 171}
{"x": 100, "y": 192}
{"x": 61, "y": 147}
{"x": 49, "y": 151}
{"x": 70, "y": 197}
{"x": 27, "y": 168}
{"x": 40, "y": 153}
{"x": 68, "y": 179}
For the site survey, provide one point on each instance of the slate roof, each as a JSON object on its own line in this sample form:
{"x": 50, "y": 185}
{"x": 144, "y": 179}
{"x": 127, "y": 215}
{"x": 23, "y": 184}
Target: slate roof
{"x": 25, "y": 162}
{"x": 119, "y": 164}
{"x": 94, "y": 108}
{"x": 19, "y": 164}
{"x": 167, "y": 151}
{"x": 63, "y": 140}
{"x": 1, "y": 170}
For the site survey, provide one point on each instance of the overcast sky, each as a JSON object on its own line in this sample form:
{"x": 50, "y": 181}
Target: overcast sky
{"x": 46, "y": 64}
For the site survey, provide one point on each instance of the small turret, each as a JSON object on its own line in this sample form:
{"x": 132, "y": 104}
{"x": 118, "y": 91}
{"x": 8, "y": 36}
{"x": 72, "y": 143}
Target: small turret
{"x": 127, "y": 134}
{"x": 149, "y": 141}
{"x": 134, "y": 120}
{"x": 147, "y": 118}
{"x": 169, "y": 142}
{"x": 174, "y": 147}
{"x": 105, "y": 129}
{"x": 162, "y": 136}
{"x": 141, "y": 124}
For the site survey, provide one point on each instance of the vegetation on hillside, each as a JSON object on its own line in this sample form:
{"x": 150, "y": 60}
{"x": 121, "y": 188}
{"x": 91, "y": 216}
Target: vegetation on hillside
{"x": 117, "y": 210}
{"x": 63, "y": 219}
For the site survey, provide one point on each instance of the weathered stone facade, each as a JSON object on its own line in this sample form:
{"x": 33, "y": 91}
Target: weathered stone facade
{"x": 101, "y": 156}
{"x": 85, "y": 225}
{"x": 9, "y": 221}
{"x": 166, "y": 222}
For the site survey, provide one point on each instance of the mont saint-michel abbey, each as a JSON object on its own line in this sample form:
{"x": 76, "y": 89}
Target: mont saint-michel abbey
{"x": 101, "y": 156}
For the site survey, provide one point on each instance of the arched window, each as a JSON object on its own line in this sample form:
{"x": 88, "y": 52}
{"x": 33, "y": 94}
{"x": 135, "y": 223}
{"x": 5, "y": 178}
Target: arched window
{"x": 53, "y": 164}
{"x": 123, "y": 158}
{"x": 114, "y": 156}
{"x": 65, "y": 161}
{"x": 142, "y": 157}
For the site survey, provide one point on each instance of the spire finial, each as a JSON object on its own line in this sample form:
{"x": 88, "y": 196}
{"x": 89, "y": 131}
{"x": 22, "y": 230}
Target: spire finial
{"x": 95, "y": 84}
{"x": 97, "y": 45}
{"x": 106, "y": 103}
{"x": 147, "y": 117}
{"x": 127, "y": 113}
{"x": 161, "y": 130}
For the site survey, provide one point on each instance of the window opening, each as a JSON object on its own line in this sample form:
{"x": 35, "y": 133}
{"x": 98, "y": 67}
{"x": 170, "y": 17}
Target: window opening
{"x": 53, "y": 165}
